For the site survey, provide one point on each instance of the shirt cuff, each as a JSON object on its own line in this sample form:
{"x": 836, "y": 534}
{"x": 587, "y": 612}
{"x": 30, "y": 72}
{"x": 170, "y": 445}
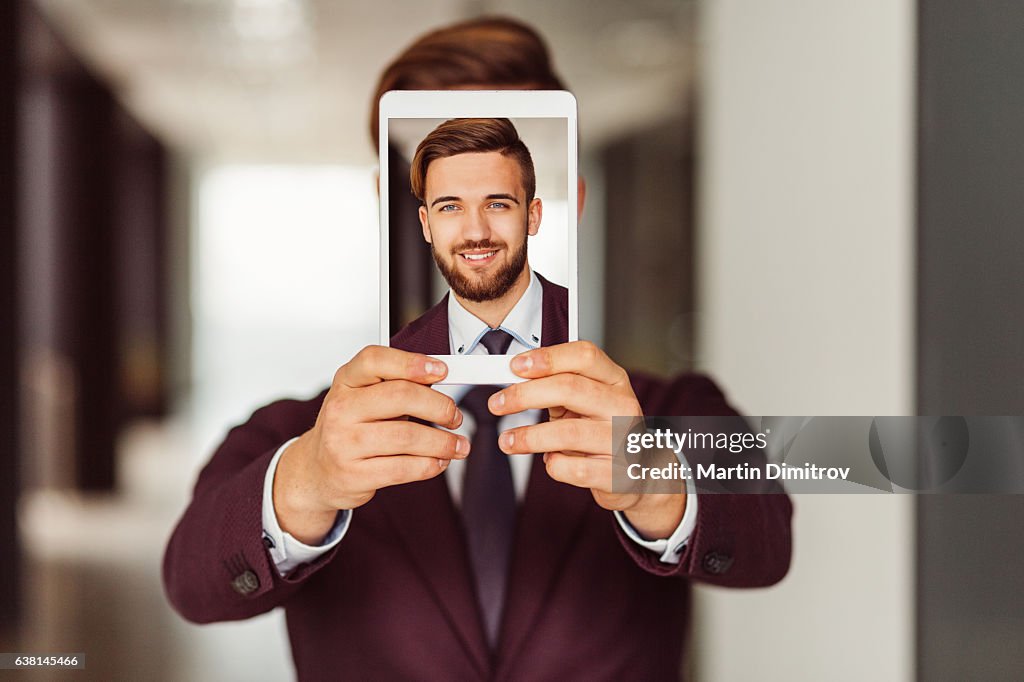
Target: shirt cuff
{"x": 285, "y": 550}
{"x": 671, "y": 548}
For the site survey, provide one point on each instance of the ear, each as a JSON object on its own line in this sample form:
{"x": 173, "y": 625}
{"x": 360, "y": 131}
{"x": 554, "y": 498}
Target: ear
{"x": 424, "y": 225}
{"x": 533, "y": 217}
{"x": 581, "y": 195}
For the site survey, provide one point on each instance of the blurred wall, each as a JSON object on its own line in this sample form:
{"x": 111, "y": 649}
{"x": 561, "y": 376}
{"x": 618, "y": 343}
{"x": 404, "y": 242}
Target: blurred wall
{"x": 648, "y": 285}
{"x": 180, "y": 219}
{"x": 805, "y": 293}
{"x": 971, "y": 341}
{"x": 9, "y": 408}
{"x": 92, "y": 254}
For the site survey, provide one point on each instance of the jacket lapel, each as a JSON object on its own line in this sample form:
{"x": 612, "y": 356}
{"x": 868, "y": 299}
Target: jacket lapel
{"x": 554, "y": 313}
{"x": 429, "y": 528}
{"x": 426, "y": 334}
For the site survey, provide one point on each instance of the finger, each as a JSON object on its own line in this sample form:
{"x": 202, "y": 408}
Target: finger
{"x": 391, "y": 399}
{"x": 398, "y": 438}
{"x": 581, "y": 435}
{"x": 574, "y": 392}
{"x": 374, "y": 364}
{"x": 381, "y": 472}
{"x": 591, "y": 472}
{"x": 577, "y": 357}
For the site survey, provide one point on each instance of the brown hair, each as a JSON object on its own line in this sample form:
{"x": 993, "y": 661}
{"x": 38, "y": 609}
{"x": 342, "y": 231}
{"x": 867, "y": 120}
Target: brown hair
{"x": 469, "y": 136}
{"x": 487, "y": 52}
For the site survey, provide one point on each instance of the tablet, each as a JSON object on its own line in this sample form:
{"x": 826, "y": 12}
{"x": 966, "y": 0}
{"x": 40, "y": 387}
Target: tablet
{"x": 490, "y": 227}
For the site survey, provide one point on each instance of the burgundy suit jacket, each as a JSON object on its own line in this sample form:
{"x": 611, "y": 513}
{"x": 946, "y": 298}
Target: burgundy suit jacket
{"x": 394, "y": 599}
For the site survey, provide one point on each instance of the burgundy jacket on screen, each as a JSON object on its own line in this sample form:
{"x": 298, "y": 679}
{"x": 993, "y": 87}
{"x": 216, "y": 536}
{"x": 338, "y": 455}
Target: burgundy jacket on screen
{"x": 394, "y": 599}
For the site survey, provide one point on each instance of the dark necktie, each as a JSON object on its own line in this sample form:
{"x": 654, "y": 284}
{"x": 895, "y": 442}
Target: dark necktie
{"x": 488, "y": 499}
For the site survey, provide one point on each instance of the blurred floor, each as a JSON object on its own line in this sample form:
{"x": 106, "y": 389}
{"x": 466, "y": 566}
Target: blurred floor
{"x": 93, "y": 576}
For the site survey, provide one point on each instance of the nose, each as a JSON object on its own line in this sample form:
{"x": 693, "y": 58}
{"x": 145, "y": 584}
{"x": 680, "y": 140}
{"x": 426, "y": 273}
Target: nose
{"x": 476, "y": 227}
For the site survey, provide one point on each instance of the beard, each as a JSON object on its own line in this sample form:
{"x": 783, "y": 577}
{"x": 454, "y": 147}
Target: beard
{"x": 489, "y": 288}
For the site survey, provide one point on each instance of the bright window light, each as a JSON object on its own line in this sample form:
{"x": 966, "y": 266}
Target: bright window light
{"x": 285, "y": 281}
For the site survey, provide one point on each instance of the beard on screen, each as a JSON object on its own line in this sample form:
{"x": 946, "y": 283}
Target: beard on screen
{"x": 490, "y": 288}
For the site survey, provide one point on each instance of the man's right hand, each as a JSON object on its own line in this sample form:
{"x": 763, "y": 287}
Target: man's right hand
{"x": 363, "y": 440}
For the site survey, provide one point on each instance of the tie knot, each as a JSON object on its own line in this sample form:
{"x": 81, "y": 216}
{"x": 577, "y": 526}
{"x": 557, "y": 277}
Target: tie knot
{"x": 496, "y": 341}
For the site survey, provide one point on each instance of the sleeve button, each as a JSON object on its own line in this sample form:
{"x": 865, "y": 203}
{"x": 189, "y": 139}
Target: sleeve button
{"x": 245, "y": 583}
{"x": 717, "y": 563}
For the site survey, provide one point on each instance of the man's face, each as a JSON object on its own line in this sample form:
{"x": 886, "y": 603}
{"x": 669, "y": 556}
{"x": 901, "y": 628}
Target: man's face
{"x": 476, "y": 220}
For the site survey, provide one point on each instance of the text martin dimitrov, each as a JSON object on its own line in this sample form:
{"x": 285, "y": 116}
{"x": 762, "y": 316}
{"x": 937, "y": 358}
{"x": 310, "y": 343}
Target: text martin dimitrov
{"x": 665, "y": 439}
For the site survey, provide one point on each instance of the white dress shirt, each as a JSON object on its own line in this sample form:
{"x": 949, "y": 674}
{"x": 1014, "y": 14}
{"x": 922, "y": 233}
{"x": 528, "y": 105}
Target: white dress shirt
{"x": 465, "y": 330}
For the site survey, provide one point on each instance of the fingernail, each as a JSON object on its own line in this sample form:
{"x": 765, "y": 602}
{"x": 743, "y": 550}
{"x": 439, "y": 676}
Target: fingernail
{"x": 442, "y": 463}
{"x": 546, "y": 457}
{"x": 458, "y": 419}
{"x": 508, "y": 439}
{"x": 522, "y": 363}
{"x": 433, "y": 368}
{"x": 498, "y": 399}
{"x": 462, "y": 446}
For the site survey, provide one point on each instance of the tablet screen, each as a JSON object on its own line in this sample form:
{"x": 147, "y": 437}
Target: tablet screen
{"x": 493, "y": 199}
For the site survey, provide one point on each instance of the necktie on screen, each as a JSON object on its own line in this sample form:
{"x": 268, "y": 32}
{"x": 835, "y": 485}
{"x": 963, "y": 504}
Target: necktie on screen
{"x": 488, "y": 499}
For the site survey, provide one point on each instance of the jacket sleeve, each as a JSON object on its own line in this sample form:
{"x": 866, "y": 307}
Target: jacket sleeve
{"x": 216, "y": 566}
{"x": 740, "y": 540}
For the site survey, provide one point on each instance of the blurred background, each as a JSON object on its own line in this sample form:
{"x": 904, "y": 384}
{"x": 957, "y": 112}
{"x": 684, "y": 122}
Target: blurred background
{"x": 817, "y": 202}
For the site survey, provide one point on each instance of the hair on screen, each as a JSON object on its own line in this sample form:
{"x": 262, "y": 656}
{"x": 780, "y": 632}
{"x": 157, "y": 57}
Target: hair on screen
{"x": 471, "y": 136}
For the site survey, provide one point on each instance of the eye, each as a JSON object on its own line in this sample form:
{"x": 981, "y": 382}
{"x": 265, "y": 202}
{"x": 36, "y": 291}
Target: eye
{"x": 497, "y": 204}
{"x": 448, "y": 208}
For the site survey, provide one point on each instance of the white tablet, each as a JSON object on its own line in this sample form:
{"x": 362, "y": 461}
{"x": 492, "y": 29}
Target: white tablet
{"x": 493, "y": 176}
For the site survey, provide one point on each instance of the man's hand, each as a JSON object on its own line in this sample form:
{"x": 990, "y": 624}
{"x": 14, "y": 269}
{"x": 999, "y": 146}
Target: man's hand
{"x": 582, "y": 389}
{"x": 362, "y": 440}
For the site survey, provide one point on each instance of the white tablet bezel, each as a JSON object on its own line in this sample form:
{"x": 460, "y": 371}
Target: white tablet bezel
{"x": 478, "y": 369}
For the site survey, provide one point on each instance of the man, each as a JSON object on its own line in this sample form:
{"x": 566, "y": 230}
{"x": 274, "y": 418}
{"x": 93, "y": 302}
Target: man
{"x": 475, "y": 181}
{"x": 347, "y": 510}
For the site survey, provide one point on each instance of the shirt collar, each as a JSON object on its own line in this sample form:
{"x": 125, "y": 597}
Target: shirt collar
{"x": 523, "y": 322}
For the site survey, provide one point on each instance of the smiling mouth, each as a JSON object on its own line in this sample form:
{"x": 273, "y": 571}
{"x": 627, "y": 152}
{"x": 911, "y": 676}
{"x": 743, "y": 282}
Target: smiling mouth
{"x": 478, "y": 257}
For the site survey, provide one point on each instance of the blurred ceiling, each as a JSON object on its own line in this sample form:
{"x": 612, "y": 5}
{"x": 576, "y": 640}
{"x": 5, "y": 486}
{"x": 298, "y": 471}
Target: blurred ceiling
{"x": 291, "y": 80}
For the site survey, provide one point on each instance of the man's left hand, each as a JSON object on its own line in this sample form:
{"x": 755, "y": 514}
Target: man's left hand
{"x": 582, "y": 388}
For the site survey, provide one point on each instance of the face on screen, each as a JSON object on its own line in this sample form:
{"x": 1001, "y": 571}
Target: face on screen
{"x": 476, "y": 217}
{"x": 472, "y": 210}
